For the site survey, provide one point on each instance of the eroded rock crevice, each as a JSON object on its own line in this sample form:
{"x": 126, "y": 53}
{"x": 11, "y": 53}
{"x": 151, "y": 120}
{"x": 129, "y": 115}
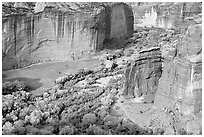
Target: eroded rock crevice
{"x": 169, "y": 77}
{"x": 54, "y": 35}
{"x": 153, "y": 85}
{"x": 142, "y": 75}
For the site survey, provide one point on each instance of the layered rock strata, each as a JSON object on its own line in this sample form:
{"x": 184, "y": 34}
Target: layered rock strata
{"x": 55, "y": 35}
{"x": 180, "y": 87}
{"x": 48, "y": 36}
{"x": 142, "y": 76}
{"x": 181, "y": 82}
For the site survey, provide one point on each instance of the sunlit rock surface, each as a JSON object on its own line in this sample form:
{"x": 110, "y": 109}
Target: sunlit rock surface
{"x": 164, "y": 15}
{"x": 180, "y": 86}
{"x": 47, "y": 36}
{"x": 142, "y": 76}
{"x": 191, "y": 43}
{"x": 164, "y": 77}
{"x": 55, "y": 35}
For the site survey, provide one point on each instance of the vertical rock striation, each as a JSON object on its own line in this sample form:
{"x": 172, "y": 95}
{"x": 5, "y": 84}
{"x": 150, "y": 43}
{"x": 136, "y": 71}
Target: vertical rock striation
{"x": 55, "y": 35}
{"x": 142, "y": 76}
{"x": 121, "y": 21}
{"x": 180, "y": 82}
{"x": 180, "y": 87}
{"x": 46, "y": 36}
{"x": 119, "y": 25}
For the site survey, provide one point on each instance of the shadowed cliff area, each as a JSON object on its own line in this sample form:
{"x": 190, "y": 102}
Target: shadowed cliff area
{"x": 102, "y": 68}
{"x": 59, "y": 35}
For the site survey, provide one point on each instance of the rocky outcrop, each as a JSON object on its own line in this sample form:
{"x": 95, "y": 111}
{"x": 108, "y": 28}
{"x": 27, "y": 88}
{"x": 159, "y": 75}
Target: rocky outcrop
{"x": 191, "y": 43}
{"x": 48, "y": 36}
{"x": 57, "y": 35}
{"x": 120, "y": 25}
{"x": 183, "y": 68}
{"x": 142, "y": 76}
{"x": 180, "y": 86}
{"x": 177, "y": 78}
{"x": 180, "y": 93}
{"x": 181, "y": 82}
{"x": 121, "y": 21}
{"x": 165, "y": 14}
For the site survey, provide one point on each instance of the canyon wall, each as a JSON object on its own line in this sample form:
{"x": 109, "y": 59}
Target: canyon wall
{"x": 142, "y": 76}
{"x": 53, "y": 35}
{"x": 164, "y": 15}
{"x": 121, "y": 21}
{"x": 46, "y": 36}
{"x": 169, "y": 75}
{"x": 180, "y": 86}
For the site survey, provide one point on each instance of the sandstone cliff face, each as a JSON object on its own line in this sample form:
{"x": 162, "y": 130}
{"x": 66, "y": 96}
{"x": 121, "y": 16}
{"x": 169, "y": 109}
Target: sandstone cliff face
{"x": 191, "y": 43}
{"x": 172, "y": 76}
{"x": 180, "y": 83}
{"x": 181, "y": 78}
{"x": 164, "y": 15}
{"x": 119, "y": 25}
{"x": 180, "y": 86}
{"x": 142, "y": 76}
{"x": 46, "y": 36}
{"x": 121, "y": 21}
{"x": 54, "y": 35}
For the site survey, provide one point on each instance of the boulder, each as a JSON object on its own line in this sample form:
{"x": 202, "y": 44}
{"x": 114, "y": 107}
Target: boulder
{"x": 110, "y": 64}
{"x": 129, "y": 51}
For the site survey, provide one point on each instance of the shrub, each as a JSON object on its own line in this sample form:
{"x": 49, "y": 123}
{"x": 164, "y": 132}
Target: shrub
{"x": 45, "y": 132}
{"x": 49, "y": 128}
{"x": 95, "y": 130}
{"x": 136, "y": 130}
{"x": 10, "y": 87}
{"x": 19, "y": 131}
{"x": 35, "y": 131}
{"x": 35, "y": 117}
{"x": 67, "y": 130}
{"x": 72, "y": 112}
{"x": 7, "y": 104}
{"x": 7, "y": 128}
{"x": 89, "y": 119}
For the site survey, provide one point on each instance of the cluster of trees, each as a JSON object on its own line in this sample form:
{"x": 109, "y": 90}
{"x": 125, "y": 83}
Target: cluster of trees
{"x": 66, "y": 110}
{"x": 10, "y": 87}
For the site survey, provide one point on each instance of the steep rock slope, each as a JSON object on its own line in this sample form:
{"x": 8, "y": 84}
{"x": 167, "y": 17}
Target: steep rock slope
{"x": 180, "y": 87}
{"x": 57, "y": 35}
{"x": 46, "y": 36}
{"x": 142, "y": 76}
{"x": 177, "y": 107}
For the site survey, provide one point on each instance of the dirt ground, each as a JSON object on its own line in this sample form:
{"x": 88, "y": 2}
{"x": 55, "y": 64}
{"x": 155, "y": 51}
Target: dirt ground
{"x": 41, "y": 76}
{"x": 137, "y": 112}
